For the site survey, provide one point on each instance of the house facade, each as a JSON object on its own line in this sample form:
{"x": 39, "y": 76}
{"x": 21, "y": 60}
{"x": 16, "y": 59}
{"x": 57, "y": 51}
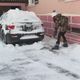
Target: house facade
{"x": 44, "y": 8}
{"x": 70, "y": 7}
{"x": 64, "y": 6}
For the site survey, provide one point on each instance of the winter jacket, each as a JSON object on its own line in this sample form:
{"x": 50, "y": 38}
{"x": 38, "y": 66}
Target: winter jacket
{"x": 61, "y": 23}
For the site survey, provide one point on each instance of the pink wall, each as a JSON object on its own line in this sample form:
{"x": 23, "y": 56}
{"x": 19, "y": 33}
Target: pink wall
{"x": 72, "y": 37}
{"x": 47, "y": 6}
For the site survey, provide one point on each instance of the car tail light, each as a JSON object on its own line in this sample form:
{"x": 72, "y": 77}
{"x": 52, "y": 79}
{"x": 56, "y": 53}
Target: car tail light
{"x": 10, "y": 27}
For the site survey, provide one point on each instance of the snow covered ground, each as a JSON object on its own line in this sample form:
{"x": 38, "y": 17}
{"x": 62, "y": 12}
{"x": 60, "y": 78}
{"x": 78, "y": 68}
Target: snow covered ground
{"x": 34, "y": 62}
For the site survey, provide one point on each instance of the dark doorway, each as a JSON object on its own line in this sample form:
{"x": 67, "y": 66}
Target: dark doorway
{"x": 6, "y": 8}
{"x": 13, "y": 7}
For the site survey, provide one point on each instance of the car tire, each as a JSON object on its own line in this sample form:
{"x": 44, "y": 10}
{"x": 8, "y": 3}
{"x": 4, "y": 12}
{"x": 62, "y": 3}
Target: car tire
{"x": 41, "y": 37}
{"x": 4, "y": 39}
{"x": 2, "y": 35}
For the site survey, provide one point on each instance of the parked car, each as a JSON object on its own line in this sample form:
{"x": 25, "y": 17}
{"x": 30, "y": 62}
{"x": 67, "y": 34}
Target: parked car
{"x": 18, "y": 26}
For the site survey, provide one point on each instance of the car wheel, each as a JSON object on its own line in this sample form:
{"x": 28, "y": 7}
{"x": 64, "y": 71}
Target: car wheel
{"x": 1, "y": 34}
{"x": 7, "y": 38}
{"x": 41, "y": 37}
{"x": 4, "y": 39}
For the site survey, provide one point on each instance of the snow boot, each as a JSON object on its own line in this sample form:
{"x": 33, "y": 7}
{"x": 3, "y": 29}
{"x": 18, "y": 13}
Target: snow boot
{"x": 65, "y": 45}
{"x": 56, "y": 47}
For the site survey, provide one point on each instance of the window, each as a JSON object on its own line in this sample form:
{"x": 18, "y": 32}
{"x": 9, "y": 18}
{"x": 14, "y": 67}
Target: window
{"x": 36, "y": 1}
{"x": 76, "y": 30}
{"x": 67, "y": 0}
{"x": 32, "y": 2}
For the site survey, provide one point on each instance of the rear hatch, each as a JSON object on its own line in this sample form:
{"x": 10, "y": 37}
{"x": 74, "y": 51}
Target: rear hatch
{"x": 24, "y": 21}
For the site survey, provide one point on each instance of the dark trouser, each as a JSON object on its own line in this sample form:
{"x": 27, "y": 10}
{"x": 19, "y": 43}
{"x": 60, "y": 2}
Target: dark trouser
{"x": 61, "y": 34}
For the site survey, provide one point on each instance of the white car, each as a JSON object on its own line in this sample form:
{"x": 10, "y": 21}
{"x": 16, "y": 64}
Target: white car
{"x": 18, "y": 26}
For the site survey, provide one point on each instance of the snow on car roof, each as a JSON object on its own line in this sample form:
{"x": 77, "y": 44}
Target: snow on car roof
{"x": 21, "y": 16}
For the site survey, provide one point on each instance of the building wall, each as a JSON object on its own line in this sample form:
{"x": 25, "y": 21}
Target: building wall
{"x": 47, "y": 6}
{"x": 74, "y": 22}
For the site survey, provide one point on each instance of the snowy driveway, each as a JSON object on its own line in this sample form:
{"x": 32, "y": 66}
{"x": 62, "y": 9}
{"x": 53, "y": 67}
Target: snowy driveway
{"x": 33, "y": 62}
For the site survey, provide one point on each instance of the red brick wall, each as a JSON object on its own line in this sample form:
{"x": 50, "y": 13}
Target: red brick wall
{"x": 47, "y": 24}
{"x": 74, "y": 22}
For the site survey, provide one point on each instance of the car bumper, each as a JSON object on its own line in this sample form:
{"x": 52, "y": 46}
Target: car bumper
{"x": 25, "y": 38}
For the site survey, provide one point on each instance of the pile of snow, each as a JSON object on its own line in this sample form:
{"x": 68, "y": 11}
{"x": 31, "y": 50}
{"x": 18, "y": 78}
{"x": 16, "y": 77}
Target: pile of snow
{"x": 33, "y": 62}
{"x": 75, "y": 52}
{"x": 72, "y": 51}
{"x": 8, "y": 53}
